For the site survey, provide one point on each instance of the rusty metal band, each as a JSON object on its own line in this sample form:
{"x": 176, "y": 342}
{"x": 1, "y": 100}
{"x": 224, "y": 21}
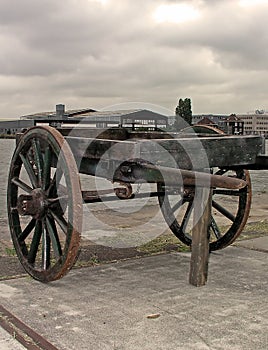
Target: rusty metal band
{"x": 22, "y": 333}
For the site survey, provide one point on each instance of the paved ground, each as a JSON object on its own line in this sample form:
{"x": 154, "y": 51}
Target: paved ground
{"x": 147, "y": 303}
{"x": 7, "y": 341}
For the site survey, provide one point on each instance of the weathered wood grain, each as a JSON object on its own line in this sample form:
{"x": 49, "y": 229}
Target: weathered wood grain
{"x": 200, "y": 239}
{"x": 185, "y": 153}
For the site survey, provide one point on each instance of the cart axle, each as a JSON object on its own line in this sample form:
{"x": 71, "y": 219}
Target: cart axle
{"x": 138, "y": 170}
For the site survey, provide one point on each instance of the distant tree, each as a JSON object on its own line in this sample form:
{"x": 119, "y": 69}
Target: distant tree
{"x": 184, "y": 111}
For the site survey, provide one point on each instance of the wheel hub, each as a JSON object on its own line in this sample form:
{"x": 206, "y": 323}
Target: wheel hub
{"x": 33, "y": 204}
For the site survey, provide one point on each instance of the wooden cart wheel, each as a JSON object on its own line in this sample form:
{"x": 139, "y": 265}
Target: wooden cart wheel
{"x": 44, "y": 204}
{"x": 230, "y": 208}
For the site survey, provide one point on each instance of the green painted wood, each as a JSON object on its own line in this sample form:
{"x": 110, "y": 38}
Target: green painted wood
{"x": 187, "y": 153}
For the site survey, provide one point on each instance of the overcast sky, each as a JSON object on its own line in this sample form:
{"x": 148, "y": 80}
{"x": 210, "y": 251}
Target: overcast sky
{"x": 126, "y": 53}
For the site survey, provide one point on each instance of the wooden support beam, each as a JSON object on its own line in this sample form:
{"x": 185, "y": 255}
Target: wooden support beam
{"x": 200, "y": 238}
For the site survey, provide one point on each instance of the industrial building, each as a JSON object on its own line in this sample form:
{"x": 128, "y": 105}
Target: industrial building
{"x": 250, "y": 123}
{"x": 11, "y": 127}
{"x": 133, "y": 118}
{"x": 255, "y": 123}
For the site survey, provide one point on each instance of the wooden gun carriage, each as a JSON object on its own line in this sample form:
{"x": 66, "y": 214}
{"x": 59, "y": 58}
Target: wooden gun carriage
{"x": 190, "y": 169}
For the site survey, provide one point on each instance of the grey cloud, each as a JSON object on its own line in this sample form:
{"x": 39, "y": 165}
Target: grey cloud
{"x": 85, "y": 53}
{"x": 238, "y": 37}
{"x": 57, "y": 39}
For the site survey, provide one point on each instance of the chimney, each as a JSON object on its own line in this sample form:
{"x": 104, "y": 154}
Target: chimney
{"x": 60, "y": 110}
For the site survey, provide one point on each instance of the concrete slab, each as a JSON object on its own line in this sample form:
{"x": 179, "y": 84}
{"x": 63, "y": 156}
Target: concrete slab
{"x": 260, "y": 244}
{"x": 7, "y": 342}
{"x": 148, "y": 304}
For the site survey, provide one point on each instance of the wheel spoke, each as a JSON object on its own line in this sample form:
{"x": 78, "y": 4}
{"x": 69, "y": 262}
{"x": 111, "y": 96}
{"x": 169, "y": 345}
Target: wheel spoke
{"x": 16, "y": 181}
{"x": 223, "y": 211}
{"x": 46, "y": 243}
{"x": 61, "y": 221}
{"x": 38, "y": 158}
{"x": 29, "y": 170}
{"x": 57, "y": 199}
{"x": 186, "y": 217}
{"x": 47, "y": 168}
{"x": 35, "y": 242}
{"x": 215, "y": 228}
{"x": 177, "y": 205}
{"x": 52, "y": 189}
{"x": 53, "y": 234}
{"x": 28, "y": 229}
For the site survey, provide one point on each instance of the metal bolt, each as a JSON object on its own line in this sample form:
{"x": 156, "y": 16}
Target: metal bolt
{"x": 125, "y": 169}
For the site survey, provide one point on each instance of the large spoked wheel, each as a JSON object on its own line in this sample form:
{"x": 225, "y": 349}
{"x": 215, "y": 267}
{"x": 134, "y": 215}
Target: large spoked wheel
{"x": 230, "y": 209}
{"x": 44, "y": 204}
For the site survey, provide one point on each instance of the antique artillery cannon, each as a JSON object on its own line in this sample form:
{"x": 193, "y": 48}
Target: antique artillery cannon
{"x": 45, "y": 198}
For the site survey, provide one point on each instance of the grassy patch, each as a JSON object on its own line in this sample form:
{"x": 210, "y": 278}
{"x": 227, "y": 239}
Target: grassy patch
{"x": 93, "y": 261}
{"x": 163, "y": 243}
{"x": 10, "y": 251}
{"x": 254, "y": 230}
{"x": 169, "y": 242}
